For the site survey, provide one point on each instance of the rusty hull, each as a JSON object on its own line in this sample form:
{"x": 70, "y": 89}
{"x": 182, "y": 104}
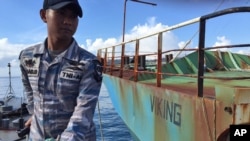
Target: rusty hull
{"x": 195, "y": 97}
{"x": 154, "y": 113}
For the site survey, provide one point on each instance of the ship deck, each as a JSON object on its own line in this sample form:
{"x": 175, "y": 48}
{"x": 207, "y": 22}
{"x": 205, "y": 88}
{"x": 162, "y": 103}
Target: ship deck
{"x": 188, "y": 85}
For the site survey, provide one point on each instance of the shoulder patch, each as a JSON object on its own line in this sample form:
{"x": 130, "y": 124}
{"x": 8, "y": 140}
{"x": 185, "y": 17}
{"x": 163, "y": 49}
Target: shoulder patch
{"x": 97, "y": 71}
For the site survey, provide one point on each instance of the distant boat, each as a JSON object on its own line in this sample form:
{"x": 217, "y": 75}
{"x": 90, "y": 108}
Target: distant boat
{"x": 194, "y": 97}
{"x": 13, "y": 111}
{"x": 10, "y": 99}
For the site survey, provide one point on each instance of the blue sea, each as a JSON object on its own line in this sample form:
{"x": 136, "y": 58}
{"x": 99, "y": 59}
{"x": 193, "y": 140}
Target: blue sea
{"x": 109, "y": 125}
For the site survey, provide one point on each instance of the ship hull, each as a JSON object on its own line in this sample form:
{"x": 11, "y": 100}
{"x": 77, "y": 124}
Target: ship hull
{"x": 189, "y": 94}
{"x": 153, "y": 113}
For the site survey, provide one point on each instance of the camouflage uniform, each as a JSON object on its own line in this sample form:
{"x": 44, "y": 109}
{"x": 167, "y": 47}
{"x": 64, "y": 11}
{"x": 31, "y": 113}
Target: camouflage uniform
{"x": 62, "y": 93}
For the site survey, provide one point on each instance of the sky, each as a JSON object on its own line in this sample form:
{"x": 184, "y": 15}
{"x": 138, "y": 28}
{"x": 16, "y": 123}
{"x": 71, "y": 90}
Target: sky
{"x": 102, "y": 23}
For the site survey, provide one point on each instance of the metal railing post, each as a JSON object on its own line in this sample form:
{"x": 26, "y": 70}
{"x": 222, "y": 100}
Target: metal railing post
{"x": 159, "y": 60}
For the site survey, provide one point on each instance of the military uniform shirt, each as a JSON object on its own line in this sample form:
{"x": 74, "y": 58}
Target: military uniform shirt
{"x": 62, "y": 93}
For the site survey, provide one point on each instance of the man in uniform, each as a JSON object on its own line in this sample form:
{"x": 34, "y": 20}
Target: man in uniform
{"x": 62, "y": 81}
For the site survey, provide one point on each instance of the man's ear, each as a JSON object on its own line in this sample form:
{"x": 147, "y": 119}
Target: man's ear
{"x": 43, "y": 15}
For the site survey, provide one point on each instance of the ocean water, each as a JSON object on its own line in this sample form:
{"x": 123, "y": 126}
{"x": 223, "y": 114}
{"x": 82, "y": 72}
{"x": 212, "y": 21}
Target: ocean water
{"x": 109, "y": 126}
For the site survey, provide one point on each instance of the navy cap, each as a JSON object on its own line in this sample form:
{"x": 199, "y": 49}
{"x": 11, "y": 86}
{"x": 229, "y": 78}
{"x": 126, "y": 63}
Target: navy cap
{"x": 57, "y": 4}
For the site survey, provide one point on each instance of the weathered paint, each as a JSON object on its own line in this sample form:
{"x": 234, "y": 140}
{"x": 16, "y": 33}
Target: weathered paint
{"x": 161, "y": 114}
{"x": 177, "y": 100}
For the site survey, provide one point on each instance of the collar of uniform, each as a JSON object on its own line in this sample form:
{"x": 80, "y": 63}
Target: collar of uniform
{"x": 70, "y": 54}
{"x": 72, "y": 51}
{"x": 39, "y": 49}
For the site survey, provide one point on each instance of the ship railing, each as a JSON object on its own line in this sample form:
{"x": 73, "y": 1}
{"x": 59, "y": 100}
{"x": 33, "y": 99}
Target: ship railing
{"x": 116, "y": 58}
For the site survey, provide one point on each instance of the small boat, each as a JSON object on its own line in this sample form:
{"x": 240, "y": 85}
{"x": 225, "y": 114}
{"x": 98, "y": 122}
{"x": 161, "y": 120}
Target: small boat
{"x": 13, "y": 113}
{"x": 193, "y": 97}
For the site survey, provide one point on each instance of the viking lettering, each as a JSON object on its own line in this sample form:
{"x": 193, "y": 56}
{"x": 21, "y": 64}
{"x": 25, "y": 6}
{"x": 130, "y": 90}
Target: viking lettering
{"x": 167, "y": 110}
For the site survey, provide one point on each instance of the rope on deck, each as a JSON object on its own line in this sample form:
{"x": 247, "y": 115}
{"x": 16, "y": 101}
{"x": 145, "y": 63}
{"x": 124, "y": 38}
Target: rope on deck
{"x": 100, "y": 121}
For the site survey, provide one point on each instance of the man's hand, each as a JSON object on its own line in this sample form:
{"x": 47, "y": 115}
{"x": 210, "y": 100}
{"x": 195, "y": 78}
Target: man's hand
{"x": 28, "y": 122}
{"x": 23, "y": 132}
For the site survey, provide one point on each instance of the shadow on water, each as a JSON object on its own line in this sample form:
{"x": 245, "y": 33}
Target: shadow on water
{"x": 113, "y": 127}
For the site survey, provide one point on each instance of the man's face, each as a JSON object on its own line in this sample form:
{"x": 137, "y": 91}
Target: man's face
{"x": 61, "y": 23}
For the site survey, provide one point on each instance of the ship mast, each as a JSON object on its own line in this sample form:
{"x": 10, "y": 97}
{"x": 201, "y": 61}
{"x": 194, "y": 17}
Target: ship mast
{"x": 10, "y": 91}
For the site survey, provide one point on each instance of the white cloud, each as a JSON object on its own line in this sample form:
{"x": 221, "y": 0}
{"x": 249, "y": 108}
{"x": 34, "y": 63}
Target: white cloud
{"x": 9, "y": 51}
{"x": 149, "y": 45}
{"x": 9, "y": 54}
{"x": 222, "y": 41}
{"x": 146, "y": 45}
{"x": 142, "y": 30}
{"x": 97, "y": 44}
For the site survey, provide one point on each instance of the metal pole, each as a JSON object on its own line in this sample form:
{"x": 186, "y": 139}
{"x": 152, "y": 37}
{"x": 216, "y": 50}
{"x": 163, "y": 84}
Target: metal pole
{"x": 123, "y": 32}
{"x": 124, "y": 19}
{"x": 124, "y": 14}
{"x": 10, "y": 87}
{"x": 149, "y": 3}
{"x": 201, "y": 57}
